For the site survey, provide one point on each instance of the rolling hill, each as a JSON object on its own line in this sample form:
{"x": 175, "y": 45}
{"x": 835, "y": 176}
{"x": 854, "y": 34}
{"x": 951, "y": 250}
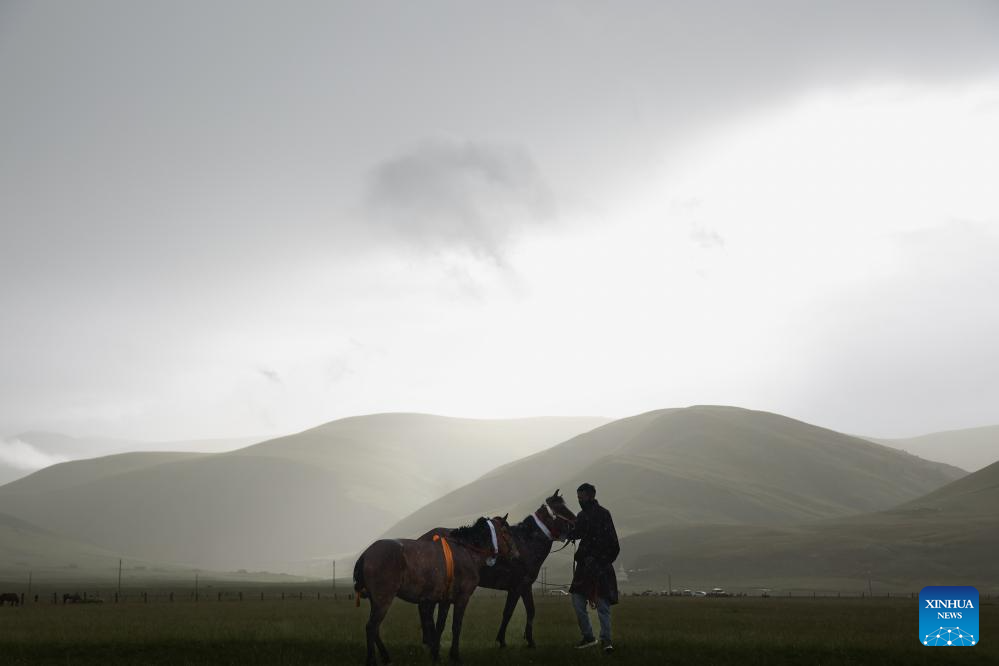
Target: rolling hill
{"x": 971, "y": 448}
{"x": 701, "y": 465}
{"x": 283, "y": 505}
{"x": 947, "y": 537}
{"x": 25, "y": 547}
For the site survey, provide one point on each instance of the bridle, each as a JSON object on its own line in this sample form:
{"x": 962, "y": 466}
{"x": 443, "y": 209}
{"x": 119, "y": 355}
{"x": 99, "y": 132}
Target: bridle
{"x": 551, "y": 532}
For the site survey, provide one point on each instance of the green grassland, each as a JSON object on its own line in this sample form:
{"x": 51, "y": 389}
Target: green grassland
{"x": 647, "y": 630}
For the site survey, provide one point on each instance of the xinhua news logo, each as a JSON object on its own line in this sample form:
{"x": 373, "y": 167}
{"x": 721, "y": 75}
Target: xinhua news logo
{"x": 948, "y": 616}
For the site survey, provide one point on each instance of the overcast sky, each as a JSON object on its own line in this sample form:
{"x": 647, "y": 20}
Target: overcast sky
{"x": 230, "y": 218}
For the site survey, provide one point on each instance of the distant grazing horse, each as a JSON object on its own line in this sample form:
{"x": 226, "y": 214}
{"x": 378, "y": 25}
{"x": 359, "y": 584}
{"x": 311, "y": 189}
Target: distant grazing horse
{"x": 534, "y": 537}
{"x": 72, "y": 599}
{"x": 425, "y": 573}
{"x": 10, "y": 597}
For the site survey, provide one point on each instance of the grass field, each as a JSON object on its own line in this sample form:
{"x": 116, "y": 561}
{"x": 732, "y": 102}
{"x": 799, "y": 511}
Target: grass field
{"x": 647, "y": 630}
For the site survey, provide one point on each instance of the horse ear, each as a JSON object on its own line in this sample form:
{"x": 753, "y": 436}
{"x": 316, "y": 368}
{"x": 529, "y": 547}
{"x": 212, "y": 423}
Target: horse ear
{"x": 505, "y": 515}
{"x": 556, "y": 492}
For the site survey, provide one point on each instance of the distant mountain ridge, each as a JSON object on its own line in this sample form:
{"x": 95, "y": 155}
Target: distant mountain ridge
{"x": 969, "y": 448}
{"x": 697, "y": 465}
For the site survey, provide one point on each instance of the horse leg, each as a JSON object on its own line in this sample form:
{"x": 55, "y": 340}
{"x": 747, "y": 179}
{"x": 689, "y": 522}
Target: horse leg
{"x": 512, "y": 597}
{"x": 379, "y": 608}
{"x": 431, "y": 638}
{"x": 528, "y": 596}
{"x": 459, "y": 613}
{"x": 442, "y": 609}
{"x": 425, "y": 609}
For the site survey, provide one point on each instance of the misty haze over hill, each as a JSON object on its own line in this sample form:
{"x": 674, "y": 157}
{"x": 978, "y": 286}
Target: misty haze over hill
{"x": 688, "y": 486}
{"x": 28, "y": 452}
{"x": 279, "y": 504}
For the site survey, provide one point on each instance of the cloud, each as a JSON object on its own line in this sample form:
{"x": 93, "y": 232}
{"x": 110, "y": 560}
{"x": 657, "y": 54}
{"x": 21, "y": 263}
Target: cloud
{"x": 448, "y": 194}
{"x": 270, "y": 375}
{"x": 21, "y": 455}
{"x": 706, "y": 238}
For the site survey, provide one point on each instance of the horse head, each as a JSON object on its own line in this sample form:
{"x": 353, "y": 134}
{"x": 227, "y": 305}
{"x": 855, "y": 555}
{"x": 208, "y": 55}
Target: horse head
{"x": 506, "y": 544}
{"x": 563, "y": 515}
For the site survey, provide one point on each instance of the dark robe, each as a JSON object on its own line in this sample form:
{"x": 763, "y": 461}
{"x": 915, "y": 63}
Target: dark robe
{"x": 594, "y": 574}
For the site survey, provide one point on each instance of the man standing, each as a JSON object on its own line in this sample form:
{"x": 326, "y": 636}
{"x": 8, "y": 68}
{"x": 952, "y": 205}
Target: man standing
{"x": 593, "y": 578}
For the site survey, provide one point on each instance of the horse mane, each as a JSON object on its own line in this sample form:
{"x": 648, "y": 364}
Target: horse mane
{"x": 476, "y": 534}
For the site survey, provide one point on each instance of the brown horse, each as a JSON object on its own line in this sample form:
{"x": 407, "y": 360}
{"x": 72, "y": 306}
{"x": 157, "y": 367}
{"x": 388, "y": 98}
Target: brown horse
{"x": 11, "y": 598}
{"x": 425, "y": 573}
{"x": 533, "y": 537}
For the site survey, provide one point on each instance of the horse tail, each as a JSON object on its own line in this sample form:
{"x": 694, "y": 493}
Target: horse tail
{"x": 359, "y": 587}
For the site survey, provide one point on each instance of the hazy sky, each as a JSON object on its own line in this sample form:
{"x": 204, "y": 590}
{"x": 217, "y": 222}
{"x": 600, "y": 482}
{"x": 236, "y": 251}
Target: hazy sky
{"x": 227, "y": 218}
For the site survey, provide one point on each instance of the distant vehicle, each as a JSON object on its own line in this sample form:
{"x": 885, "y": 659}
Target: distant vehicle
{"x": 688, "y": 593}
{"x": 718, "y": 592}
{"x": 700, "y": 593}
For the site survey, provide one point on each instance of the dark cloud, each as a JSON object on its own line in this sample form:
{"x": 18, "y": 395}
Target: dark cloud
{"x": 463, "y": 194}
